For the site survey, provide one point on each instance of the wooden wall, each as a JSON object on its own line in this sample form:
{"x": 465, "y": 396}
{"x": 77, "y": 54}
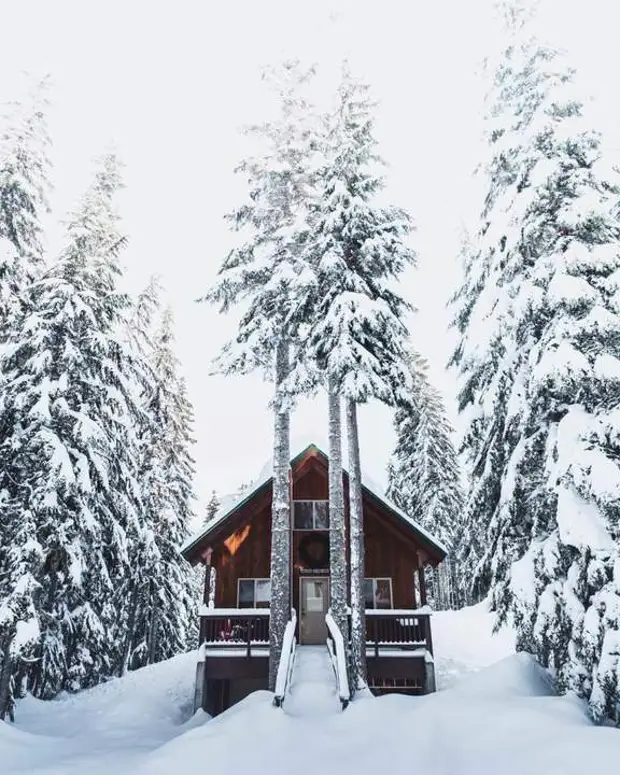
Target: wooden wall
{"x": 243, "y": 549}
{"x": 243, "y": 553}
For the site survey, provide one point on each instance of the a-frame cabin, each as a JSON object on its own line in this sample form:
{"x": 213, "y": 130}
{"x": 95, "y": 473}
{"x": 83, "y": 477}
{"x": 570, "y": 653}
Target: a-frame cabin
{"x": 235, "y": 547}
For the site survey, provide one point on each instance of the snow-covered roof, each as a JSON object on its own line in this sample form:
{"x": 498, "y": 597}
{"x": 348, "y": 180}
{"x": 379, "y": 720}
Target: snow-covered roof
{"x": 231, "y": 503}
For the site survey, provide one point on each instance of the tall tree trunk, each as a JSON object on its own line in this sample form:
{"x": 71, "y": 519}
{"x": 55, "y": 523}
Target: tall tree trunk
{"x": 280, "y": 519}
{"x": 130, "y": 632}
{"x": 6, "y": 683}
{"x": 337, "y": 532}
{"x": 356, "y": 547}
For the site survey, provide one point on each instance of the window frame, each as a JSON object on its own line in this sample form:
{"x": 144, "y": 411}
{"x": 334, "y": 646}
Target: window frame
{"x": 254, "y": 579}
{"x": 314, "y": 528}
{"x": 374, "y": 580}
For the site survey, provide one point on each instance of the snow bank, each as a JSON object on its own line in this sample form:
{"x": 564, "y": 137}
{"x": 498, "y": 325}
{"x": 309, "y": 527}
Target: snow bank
{"x": 103, "y": 730}
{"x": 500, "y": 719}
{"x": 464, "y": 642}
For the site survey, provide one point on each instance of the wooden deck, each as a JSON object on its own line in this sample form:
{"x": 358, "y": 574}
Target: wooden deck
{"x": 235, "y": 653}
{"x": 399, "y": 651}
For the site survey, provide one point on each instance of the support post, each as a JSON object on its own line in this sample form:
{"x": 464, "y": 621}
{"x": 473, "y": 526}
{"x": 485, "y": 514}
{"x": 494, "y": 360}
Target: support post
{"x": 422, "y": 585}
{"x": 429, "y": 675}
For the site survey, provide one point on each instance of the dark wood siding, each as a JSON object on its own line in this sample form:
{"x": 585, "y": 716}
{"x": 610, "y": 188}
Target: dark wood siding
{"x": 244, "y": 552}
{"x": 242, "y": 546}
{"x": 389, "y": 555}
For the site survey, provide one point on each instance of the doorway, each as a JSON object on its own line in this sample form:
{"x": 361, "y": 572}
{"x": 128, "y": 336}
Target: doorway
{"x": 314, "y": 594}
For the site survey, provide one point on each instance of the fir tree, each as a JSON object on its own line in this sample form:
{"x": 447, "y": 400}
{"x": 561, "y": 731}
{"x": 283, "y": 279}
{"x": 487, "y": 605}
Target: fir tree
{"x": 213, "y": 506}
{"x": 424, "y": 476}
{"x": 539, "y": 355}
{"x": 24, "y": 168}
{"x": 24, "y": 186}
{"x": 162, "y": 604}
{"x": 71, "y": 453}
{"x": 266, "y": 273}
{"x": 354, "y": 338}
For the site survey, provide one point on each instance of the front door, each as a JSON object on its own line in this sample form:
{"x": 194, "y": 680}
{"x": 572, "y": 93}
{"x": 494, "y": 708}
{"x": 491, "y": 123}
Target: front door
{"x": 314, "y": 605}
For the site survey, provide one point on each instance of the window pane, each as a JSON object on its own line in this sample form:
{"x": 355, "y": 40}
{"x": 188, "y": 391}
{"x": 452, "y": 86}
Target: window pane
{"x": 315, "y": 593}
{"x": 321, "y": 515}
{"x": 303, "y": 515}
{"x": 246, "y": 593}
{"x": 368, "y": 593}
{"x": 383, "y": 593}
{"x": 263, "y": 593}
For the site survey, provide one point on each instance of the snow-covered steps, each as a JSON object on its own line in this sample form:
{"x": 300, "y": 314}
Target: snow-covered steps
{"x": 313, "y": 689}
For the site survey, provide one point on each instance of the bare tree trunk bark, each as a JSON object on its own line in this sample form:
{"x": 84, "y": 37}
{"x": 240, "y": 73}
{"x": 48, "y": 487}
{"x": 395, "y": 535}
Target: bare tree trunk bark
{"x": 356, "y": 544}
{"x": 6, "y": 683}
{"x": 337, "y": 532}
{"x": 131, "y": 624}
{"x": 280, "y": 519}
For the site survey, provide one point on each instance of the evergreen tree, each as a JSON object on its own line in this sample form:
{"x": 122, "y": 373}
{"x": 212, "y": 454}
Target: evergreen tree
{"x": 213, "y": 506}
{"x": 266, "y": 274}
{"x": 354, "y": 339}
{"x": 24, "y": 168}
{"x": 539, "y": 356}
{"x": 70, "y": 457}
{"x": 424, "y": 476}
{"x": 160, "y": 590}
{"x": 24, "y": 186}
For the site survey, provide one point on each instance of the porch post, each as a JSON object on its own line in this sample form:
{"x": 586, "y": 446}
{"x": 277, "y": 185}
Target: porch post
{"x": 422, "y": 585}
{"x": 206, "y": 591}
{"x": 290, "y": 547}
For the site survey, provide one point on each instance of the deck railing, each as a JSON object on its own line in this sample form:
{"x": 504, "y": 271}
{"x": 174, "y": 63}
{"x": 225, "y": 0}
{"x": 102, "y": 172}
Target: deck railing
{"x": 338, "y": 655}
{"x": 398, "y": 629}
{"x": 234, "y": 627}
{"x": 287, "y": 659}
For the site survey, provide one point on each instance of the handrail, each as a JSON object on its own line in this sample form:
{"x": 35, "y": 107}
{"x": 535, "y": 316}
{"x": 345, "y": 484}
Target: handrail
{"x": 335, "y": 646}
{"x": 287, "y": 659}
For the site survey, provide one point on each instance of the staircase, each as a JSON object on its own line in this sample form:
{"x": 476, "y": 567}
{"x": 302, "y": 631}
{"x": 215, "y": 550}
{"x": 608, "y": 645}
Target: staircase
{"x": 313, "y": 688}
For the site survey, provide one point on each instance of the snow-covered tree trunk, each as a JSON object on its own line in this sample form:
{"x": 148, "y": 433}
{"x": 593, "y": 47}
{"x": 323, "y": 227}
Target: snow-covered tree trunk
{"x": 356, "y": 547}
{"x": 280, "y": 518}
{"x": 337, "y": 530}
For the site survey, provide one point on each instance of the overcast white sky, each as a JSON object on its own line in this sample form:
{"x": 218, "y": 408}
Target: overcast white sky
{"x": 171, "y": 82}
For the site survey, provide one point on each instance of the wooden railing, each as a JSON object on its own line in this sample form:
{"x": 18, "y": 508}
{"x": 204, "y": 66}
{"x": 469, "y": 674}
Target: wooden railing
{"x": 287, "y": 660}
{"x": 338, "y": 655}
{"x": 398, "y": 629}
{"x": 233, "y": 628}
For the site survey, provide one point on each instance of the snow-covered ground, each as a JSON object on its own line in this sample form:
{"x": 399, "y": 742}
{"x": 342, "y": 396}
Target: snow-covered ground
{"x": 485, "y": 719}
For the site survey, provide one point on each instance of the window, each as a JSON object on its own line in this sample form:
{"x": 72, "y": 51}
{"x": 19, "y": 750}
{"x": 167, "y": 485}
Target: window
{"x": 378, "y": 593}
{"x": 310, "y": 515}
{"x": 253, "y": 593}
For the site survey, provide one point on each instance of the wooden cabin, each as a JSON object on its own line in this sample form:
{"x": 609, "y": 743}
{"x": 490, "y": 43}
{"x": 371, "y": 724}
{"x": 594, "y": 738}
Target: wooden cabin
{"x": 235, "y": 548}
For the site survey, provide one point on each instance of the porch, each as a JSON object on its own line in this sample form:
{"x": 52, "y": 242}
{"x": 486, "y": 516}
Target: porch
{"x": 234, "y": 653}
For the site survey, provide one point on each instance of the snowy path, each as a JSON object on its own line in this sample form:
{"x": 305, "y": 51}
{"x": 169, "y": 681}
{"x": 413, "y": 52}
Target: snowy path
{"x": 313, "y": 691}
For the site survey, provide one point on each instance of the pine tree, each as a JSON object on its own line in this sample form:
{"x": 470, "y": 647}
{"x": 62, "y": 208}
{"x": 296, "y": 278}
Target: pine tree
{"x": 24, "y": 168}
{"x": 265, "y": 273}
{"x": 69, "y": 460}
{"x": 213, "y": 506}
{"x": 162, "y": 604}
{"x": 539, "y": 355}
{"x": 24, "y": 186}
{"x": 354, "y": 342}
{"x": 423, "y": 475}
